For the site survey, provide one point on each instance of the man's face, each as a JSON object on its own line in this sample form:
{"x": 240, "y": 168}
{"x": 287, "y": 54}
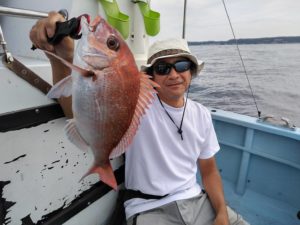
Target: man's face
{"x": 174, "y": 84}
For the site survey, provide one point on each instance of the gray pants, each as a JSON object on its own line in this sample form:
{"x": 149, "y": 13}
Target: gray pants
{"x": 194, "y": 211}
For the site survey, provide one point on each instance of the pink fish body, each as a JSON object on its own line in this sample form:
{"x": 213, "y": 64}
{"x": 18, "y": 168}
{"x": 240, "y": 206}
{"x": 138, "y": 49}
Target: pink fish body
{"x": 109, "y": 96}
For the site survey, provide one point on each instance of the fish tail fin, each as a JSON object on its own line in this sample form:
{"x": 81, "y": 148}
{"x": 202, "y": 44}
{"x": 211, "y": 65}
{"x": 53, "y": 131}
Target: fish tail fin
{"x": 105, "y": 173}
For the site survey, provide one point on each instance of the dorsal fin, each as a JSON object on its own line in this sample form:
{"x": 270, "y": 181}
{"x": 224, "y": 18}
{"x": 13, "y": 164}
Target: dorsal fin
{"x": 146, "y": 97}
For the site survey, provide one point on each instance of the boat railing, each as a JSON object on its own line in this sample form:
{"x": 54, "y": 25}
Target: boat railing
{"x": 16, "y": 12}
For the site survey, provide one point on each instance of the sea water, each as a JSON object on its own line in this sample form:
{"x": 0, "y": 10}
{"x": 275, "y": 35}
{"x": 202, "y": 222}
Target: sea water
{"x": 273, "y": 71}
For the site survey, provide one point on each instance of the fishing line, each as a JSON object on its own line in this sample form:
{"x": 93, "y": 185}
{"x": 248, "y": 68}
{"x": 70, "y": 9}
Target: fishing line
{"x": 240, "y": 55}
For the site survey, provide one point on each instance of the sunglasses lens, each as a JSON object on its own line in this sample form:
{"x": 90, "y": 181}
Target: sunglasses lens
{"x": 182, "y": 66}
{"x": 162, "y": 68}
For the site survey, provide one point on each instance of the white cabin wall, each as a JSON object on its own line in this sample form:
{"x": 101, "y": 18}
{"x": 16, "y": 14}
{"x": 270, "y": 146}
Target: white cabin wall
{"x": 16, "y": 30}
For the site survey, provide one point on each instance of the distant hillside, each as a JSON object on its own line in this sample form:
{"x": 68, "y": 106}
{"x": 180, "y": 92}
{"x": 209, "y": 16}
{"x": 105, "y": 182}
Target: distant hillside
{"x": 266, "y": 40}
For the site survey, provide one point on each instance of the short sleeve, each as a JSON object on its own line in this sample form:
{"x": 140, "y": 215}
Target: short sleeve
{"x": 210, "y": 145}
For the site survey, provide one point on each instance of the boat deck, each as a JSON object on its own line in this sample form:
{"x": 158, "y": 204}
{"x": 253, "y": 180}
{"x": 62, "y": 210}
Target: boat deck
{"x": 260, "y": 209}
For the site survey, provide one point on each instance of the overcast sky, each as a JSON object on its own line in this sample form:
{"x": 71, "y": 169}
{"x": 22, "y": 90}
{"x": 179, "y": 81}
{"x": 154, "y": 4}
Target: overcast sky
{"x": 206, "y": 19}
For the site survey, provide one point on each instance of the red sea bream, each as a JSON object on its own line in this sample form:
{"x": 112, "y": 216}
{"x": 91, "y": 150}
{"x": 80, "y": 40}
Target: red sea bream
{"x": 109, "y": 96}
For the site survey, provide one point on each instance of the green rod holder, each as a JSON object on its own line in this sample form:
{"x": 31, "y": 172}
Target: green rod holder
{"x": 151, "y": 18}
{"x": 115, "y": 18}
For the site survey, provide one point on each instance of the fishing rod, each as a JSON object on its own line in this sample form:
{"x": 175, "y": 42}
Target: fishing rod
{"x": 184, "y": 19}
{"x": 240, "y": 55}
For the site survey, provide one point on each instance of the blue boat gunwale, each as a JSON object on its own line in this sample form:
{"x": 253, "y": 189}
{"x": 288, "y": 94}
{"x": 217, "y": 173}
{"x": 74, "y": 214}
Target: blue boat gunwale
{"x": 252, "y": 122}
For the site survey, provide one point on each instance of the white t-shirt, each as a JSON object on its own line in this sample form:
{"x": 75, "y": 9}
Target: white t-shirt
{"x": 159, "y": 162}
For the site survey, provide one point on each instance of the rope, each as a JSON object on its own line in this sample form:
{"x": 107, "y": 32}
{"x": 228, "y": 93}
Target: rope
{"x": 244, "y": 68}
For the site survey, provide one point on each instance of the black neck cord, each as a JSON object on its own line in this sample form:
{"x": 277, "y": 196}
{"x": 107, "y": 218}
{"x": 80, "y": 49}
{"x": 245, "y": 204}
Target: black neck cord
{"x": 179, "y": 129}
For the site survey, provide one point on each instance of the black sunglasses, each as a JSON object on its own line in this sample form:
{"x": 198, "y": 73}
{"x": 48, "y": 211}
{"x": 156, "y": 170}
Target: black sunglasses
{"x": 164, "y": 68}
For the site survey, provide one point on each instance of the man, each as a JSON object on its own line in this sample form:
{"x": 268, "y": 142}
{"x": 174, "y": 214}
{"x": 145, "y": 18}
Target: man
{"x": 175, "y": 136}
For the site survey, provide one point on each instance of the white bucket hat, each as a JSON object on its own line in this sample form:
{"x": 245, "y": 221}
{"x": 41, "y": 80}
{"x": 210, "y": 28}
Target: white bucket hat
{"x": 171, "y": 48}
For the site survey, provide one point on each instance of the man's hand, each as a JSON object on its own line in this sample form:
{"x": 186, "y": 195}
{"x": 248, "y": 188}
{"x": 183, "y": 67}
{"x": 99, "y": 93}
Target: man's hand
{"x": 39, "y": 34}
{"x": 44, "y": 29}
{"x": 212, "y": 183}
{"x": 222, "y": 219}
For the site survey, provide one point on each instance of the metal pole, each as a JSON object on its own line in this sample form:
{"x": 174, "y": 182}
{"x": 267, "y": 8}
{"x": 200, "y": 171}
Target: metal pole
{"x": 8, "y": 11}
{"x": 184, "y": 16}
{"x": 7, "y": 54}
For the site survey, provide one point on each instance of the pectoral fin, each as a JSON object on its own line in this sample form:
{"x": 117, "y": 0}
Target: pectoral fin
{"x": 62, "y": 88}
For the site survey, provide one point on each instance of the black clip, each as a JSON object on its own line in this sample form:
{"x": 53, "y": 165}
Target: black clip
{"x": 68, "y": 28}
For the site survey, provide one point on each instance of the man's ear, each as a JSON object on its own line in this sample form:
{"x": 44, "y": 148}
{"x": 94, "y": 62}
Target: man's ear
{"x": 150, "y": 76}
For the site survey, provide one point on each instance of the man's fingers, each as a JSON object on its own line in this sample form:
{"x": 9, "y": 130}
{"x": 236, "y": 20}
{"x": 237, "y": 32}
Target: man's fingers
{"x": 42, "y": 39}
{"x": 34, "y": 37}
{"x": 43, "y": 29}
{"x": 50, "y": 25}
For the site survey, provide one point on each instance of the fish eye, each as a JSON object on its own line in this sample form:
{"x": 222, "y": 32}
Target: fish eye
{"x": 113, "y": 43}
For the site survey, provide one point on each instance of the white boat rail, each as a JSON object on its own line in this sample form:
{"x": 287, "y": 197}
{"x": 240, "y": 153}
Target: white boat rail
{"x": 9, "y": 11}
